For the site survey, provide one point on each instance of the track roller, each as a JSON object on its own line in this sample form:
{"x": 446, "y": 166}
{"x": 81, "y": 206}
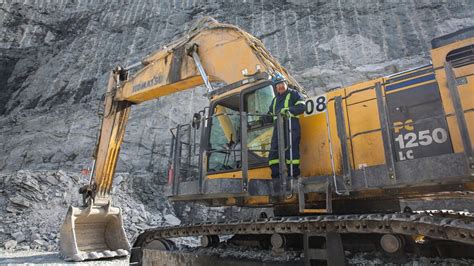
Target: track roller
{"x": 210, "y": 241}
{"x": 392, "y": 243}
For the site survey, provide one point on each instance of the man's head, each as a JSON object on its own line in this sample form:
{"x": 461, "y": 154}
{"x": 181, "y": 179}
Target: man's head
{"x": 280, "y": 83}
{"x": 281, "y": 87}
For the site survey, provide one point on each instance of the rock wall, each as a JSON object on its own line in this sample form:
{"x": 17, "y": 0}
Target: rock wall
{"x": 55, "y": 56}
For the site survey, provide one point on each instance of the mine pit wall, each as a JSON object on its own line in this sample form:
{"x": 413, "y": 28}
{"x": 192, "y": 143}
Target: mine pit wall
{"x": 55, "y": 57}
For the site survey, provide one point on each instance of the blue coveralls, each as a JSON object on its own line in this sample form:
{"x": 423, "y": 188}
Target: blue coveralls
{"x": 293, "y": 100}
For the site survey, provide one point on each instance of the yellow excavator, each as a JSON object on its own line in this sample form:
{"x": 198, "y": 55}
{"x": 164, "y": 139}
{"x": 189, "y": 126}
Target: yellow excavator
{"x": 364, "y": 149}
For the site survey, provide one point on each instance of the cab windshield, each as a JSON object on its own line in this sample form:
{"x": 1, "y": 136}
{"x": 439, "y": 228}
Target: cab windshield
{"x": 224, "y": 149}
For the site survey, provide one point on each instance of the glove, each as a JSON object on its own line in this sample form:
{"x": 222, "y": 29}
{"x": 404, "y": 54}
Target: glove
{"x": 285, "y": 111}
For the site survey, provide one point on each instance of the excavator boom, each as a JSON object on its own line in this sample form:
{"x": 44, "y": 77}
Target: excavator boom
{"x": 209, "y": 52}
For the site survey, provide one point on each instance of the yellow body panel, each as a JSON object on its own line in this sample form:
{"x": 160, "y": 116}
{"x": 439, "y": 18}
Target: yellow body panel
{"x": 257, "y": 200}
{"x": 314, "y": 147}
{"x": 257, "y": 173}
{"x": 233, "y": 174}
{"x": 466, "y": 92}
{"x": 361, "y": 92}
{"x": 367, "y": 148}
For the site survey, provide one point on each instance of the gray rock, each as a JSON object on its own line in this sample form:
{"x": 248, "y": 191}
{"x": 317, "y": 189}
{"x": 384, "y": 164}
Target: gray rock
{"x": 19, "y": 237}
{"x": 49, "y": 38}
{"x": 172, "y": 220}
{"x": 23, "y": 247}
{"x": 52, "y": 180}
{"x": 40, "y": 242}
{"x": 135, "y": 219}
{"x": 118, "y": 179}
{"x": 10, "y": 244}
{"x": 52, "y": 236}
{"x": 35, "y": 236}
{"x": 30, "y": 184}
{"x": 12, "y": 209}
{"x": 20, "y": 201}
{"x": 61, "y": 174}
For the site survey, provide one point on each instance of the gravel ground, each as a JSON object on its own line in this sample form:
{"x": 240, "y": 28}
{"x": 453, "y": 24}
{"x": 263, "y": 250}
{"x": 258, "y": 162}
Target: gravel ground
{"x": 52, "y": 258}
{"x": 49, "y": 258}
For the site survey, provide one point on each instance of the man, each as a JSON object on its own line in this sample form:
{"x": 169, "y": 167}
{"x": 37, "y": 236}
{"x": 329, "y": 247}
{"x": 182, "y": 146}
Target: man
{"x": 289, "y": 103}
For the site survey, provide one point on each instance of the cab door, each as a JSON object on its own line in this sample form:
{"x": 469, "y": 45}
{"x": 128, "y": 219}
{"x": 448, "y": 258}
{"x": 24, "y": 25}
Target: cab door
{"x": 231, "y": 118}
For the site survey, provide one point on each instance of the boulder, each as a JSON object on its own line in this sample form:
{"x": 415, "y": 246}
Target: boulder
{"x": 40, "y": 242}
{"x": 171, "y": 219}
{"x": 19, "y": 237}
{"x": 20, "y": 201}
{"x": 10, "y": 244}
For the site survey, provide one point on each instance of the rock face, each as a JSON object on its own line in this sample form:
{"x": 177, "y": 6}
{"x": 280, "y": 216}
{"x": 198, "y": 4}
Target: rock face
{"x": 55, "y": 56}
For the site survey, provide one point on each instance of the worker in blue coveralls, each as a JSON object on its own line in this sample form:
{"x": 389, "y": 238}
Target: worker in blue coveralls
{"x": 290, "y": 103}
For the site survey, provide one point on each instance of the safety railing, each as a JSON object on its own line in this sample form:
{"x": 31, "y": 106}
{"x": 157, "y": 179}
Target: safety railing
{"x": 185, "y": 158}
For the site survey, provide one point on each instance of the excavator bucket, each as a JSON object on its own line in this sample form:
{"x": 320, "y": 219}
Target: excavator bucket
{"x": 93, "y": 232}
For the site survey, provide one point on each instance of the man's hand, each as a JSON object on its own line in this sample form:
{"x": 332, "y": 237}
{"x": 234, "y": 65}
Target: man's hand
{"x": 268, "y": 118}
{"x": 285, "y": 112}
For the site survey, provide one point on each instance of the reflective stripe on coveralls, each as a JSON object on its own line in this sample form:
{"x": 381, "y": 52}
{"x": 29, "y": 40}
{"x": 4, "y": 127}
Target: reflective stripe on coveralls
{"x": 276, "y": 161}
{"x": 286, "y": 105}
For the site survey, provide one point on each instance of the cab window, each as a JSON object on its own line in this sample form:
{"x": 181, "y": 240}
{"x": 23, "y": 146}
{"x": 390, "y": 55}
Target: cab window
{"x": 224, "y": 137}
{"x": 259, "y": 126}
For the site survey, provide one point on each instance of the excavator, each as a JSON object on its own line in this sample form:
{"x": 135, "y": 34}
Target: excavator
{"x": 365, "y": 149}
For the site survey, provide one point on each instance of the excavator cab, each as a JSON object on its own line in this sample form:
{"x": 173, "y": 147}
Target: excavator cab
{"x": 231, "y": 158}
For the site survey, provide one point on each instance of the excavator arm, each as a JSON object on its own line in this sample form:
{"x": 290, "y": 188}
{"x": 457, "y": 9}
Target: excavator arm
{"x": 209, "y": 52}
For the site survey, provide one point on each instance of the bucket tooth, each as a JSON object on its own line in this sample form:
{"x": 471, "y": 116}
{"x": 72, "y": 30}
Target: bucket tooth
{"x": 93, "y": 232}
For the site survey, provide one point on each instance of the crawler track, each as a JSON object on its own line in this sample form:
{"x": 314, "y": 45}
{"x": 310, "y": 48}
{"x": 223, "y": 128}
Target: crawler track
{"x": 452, "y": 226}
